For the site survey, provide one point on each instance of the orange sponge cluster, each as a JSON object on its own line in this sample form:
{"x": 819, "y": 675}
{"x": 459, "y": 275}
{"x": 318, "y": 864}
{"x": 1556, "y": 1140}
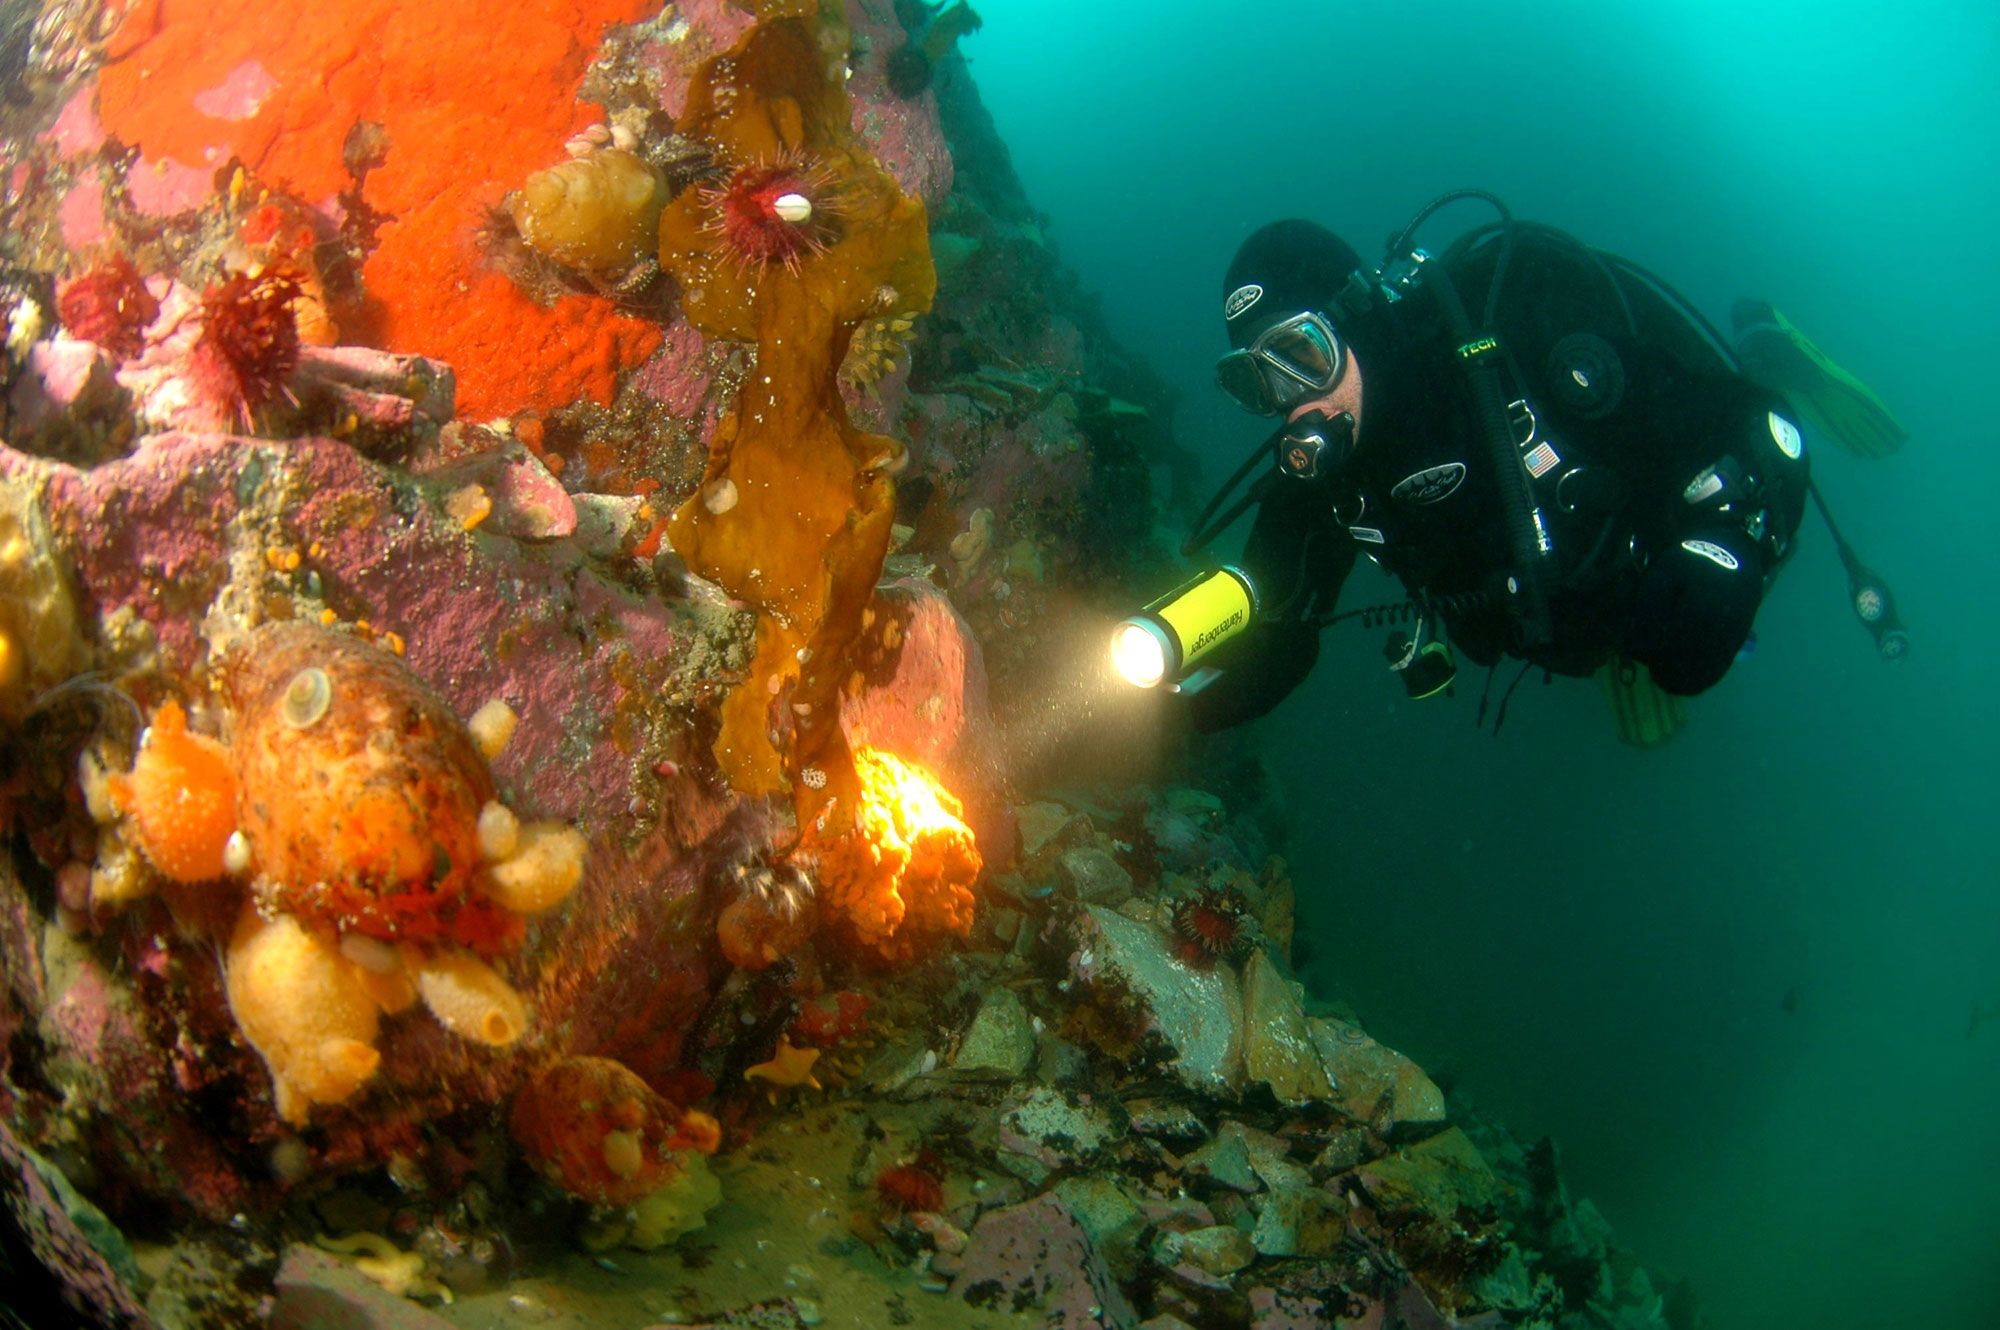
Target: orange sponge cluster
{"x": 179, "y": 798}
{"x": 904, "y": 874}
{"x": 380, "y": 862}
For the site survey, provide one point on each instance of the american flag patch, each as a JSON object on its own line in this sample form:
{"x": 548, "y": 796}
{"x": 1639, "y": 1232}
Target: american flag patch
{"x": 1540, "y": 460}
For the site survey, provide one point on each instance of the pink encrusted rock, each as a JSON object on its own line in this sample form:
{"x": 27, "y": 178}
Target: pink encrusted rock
{"x": 160, "y": 377}
{"x": 925, "y": 699}
{"x": 77, "y": 130}
{"x": 528, "y": 503}
{"x": 681, "y": 374}
{"x": 317, "y": 1291}
{"x": 903, "y": 133}
{"x": 700, "y": 31}
{"x": 63, "y": 377}
{"x": 1036, "y": 1254}
{"x": 878, "y": 408}
{"x": 81, "y": 215}
{"x": 151, "y": 532}
{"x": 1275, "y": 1310}
{"x": 164, "y": 187}
{"x": 1061, "y": 348}
{"x": 382, "y": 402}
{"x": 427, "y": 385}
{"x": 582, "y": 658}
{"x": 63, "y": 1261}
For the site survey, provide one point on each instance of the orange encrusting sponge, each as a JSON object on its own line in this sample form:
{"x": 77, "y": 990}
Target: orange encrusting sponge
{"x": 903, "y": 876}
{"x": 472, "y": 98}
{"x": 180, "y": 796}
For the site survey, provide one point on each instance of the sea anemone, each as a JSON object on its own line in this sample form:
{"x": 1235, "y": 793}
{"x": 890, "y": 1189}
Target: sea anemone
{"x": 915, "y": 1187}
{"x": 1211, "y": 925}
{"x": 249, "y": 343}
{"x": 109, "y": 305}
{"x": 771, "y": 212}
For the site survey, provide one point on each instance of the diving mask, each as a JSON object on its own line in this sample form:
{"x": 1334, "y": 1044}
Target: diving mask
{"x": 1290, "y": 362}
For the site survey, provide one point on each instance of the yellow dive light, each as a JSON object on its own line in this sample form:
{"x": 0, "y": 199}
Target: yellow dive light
{"x": 1164, "y": 642}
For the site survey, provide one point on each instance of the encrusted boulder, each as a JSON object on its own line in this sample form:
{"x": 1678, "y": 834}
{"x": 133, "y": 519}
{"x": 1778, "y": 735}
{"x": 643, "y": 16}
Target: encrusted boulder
{"x": 1278, "y": 1044}
{"x": 1043, "y": 1130}
{"x": 1090, "y": 874}
{"x": 922, "y": 696}
{"x": 1374, "y": 1084}
{"x": 1036, "y": 1254}
{"x": 316, "y": 1290}
{"x": 192, "y": 540}
{"x": 1195, "y": 1014}
{"x": 1436, "y": 1177}
{"x": 1001, "y": 1038}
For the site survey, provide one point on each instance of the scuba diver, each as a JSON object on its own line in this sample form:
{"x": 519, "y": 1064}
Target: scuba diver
{"x": 1560, "y": 461}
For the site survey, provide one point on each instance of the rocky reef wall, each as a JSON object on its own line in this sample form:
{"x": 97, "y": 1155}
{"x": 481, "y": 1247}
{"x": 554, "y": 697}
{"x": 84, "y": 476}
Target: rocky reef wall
{"x": 542, "y": 556}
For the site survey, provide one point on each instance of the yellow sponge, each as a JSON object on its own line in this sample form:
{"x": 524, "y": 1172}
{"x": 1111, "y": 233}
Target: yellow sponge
{"x": 301, "y": 1006}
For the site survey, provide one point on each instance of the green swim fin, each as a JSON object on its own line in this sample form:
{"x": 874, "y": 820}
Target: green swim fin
{"x": 1645, "y": 714}
{"x": 1828, "y": 400}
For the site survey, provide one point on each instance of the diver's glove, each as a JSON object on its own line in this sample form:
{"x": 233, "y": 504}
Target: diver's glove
{"x": 1694, "y": 607}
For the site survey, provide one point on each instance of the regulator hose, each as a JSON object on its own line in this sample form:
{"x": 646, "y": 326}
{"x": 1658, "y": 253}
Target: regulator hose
{"x": 1527, "y": 548}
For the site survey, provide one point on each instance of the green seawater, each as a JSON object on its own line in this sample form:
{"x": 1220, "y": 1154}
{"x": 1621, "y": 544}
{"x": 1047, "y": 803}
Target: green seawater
{"x": 1735, "y": 978}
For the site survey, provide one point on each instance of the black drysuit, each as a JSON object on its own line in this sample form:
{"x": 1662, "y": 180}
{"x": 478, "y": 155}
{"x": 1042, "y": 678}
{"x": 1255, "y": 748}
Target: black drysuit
{"x": 1670, "y": 486}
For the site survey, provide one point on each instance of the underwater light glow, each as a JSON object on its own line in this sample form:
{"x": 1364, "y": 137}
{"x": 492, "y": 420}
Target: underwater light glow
{"x": 1138, "y": 654}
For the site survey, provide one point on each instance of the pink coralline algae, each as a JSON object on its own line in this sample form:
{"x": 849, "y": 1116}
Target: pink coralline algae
{"x": 406, "y": 568}
{"x": 239, "y": 96}
{"x": 903, "y": 133}
{"x": 480, "y": 616}
{"x": 81, "y": 215}
{"x": 702, "y": 30}
{"x": 77, "y": 130}
{"x": 1036, "y": 1252}
{"x": 165, "y": 188}
{"x": 682, "y": 377}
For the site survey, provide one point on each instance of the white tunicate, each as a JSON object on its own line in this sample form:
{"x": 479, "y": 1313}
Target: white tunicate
{"x": 721, "y": 497}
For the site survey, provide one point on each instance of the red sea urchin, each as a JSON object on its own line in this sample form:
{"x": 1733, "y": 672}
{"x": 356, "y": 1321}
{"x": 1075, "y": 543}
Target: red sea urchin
{"x": 249, "y": 342}
{"x": 775, "y": 212}
{"x": 109, "y": 305}
{"x": 912, "y": 1188}
{"x": 1211, "y": 925}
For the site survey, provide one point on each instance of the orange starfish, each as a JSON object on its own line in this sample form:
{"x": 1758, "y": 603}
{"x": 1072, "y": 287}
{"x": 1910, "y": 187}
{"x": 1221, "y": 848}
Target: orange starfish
{"x": 788, "y": 1066}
